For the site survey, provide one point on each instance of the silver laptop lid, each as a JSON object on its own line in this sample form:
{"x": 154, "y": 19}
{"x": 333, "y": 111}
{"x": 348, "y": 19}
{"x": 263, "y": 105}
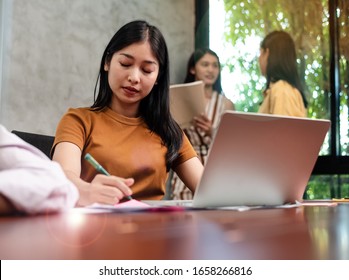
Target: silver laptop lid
{"x": 258, "y": 159}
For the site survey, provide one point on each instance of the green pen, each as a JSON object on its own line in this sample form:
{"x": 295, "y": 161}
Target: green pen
{"x": 99, "y": 168}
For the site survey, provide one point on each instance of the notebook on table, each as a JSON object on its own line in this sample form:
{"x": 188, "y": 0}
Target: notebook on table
{"x": 258, "y": 159}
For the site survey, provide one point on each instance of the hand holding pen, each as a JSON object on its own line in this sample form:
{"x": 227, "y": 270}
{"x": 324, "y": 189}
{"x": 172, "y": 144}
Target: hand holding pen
{"x": 100, "y": 169}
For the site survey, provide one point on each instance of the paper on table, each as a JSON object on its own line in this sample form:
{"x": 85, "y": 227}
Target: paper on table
{"x": 319, "y": 202}
{"x": 133, "y": 203}
{"x": 166, "y": 206}
{"x": 187, "y": 101}
{"x": 130, "y": 206}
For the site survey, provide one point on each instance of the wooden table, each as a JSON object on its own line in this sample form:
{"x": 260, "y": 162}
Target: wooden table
{"x": 310, "y": 232}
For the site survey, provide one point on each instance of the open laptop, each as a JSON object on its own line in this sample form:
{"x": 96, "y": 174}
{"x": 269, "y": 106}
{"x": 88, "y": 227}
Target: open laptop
{"x": 259, "y": 159}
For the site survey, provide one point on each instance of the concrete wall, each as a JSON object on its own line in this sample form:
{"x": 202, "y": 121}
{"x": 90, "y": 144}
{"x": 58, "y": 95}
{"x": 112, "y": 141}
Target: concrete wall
{"x": 51, "y": 50}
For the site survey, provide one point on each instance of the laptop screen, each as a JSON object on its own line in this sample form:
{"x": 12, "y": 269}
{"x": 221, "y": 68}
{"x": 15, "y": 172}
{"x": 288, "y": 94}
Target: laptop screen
{"x": 258, "y": 159}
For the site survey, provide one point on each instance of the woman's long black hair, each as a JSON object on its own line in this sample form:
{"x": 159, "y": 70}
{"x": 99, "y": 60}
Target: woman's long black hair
{"x": 154, "y": 108}
{"x": 282, "y": 60}
{"x": 194, "y": 58}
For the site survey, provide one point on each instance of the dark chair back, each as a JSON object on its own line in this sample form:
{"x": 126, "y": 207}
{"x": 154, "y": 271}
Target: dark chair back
{"x": 42, "y": 142}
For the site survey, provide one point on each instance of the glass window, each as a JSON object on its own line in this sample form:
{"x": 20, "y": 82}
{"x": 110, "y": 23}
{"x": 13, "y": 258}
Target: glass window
{"x": 320, "y": 30}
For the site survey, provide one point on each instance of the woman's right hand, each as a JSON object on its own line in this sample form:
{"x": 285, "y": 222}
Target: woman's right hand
{"x": 106, "y": 190}
{"x": 102, "y": 189}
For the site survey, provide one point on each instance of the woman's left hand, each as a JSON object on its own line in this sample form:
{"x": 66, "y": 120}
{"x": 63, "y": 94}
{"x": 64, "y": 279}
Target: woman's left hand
{"x": 204, "y": 124}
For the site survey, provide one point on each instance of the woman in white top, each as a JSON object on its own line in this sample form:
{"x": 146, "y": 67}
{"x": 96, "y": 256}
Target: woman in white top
{"x": 203, "y": 65}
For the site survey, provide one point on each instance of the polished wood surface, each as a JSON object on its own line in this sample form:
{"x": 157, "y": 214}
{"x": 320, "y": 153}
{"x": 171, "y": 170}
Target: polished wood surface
{"x": 310, "y": 232}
